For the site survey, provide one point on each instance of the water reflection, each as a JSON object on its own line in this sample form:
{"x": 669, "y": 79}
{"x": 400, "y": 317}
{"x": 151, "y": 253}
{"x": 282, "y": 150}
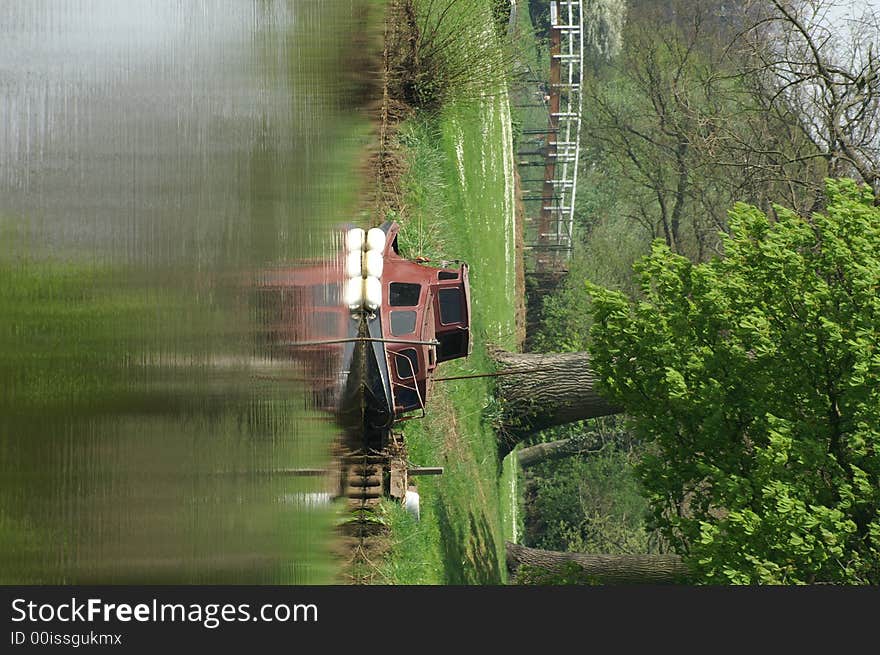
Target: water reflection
{"x": 155, "y": 157}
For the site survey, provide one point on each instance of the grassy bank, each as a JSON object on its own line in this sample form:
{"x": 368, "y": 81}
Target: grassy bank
{"x": 458, "y": 193}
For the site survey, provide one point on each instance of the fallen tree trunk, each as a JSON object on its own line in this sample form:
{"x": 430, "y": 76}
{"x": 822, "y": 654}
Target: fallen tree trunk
{"x": 601, "y": 568}
{"x": 553, "y": 450}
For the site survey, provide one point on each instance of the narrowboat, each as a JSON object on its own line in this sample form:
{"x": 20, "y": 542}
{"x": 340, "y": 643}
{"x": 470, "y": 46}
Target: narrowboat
{"x": 369, "y": 326}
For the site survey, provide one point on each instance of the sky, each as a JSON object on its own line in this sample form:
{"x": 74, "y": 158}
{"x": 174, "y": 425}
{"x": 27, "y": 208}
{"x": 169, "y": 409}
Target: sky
{"x": 848, "y": 9}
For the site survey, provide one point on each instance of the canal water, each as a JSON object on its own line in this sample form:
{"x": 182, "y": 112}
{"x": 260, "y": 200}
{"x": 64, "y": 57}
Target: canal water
{"x": 156, "y": 157}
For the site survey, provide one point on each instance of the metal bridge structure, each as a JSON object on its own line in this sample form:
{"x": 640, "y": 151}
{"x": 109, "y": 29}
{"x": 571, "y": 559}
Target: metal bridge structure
{"x": 554, "y": 150}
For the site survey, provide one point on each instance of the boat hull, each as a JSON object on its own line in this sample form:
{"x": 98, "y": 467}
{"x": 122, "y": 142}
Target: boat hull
{"x": 366, "y": 401}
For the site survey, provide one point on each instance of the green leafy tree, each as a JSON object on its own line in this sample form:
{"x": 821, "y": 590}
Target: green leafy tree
{"x": 754, "y": 380}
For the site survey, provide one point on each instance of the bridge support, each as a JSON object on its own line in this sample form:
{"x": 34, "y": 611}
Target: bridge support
{"x": 560, "y": 143}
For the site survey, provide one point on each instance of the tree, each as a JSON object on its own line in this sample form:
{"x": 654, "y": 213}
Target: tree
{"x": 682, "y": 124}
{"x": 553, "y": 389}
{"x": 825, "y": 78}
{"x": 714, "y": 102}
{"x": 594, "y": 568}
{"x": 711, "y": 103}
{"x": 754, "y": 380}
{"x": 641, "y": 122}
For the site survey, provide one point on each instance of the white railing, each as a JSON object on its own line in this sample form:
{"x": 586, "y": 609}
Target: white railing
{"x": 566, "y": 16}
{"x": 559, "y": 144}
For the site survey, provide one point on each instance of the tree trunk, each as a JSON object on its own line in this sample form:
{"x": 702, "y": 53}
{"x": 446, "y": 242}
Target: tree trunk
{"x": 604, "y": 569}
{"x": 553, "y": 450}
{"x": 553, "y": 389}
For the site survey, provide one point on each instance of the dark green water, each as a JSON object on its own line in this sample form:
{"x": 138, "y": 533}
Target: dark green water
{"x": 153, "y": 156}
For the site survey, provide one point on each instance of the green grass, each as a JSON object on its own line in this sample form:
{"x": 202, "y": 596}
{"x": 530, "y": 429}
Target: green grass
{"x": 512, "y": 500}
{"x": 459, "y": 205}
{"x": 529, "y": 111}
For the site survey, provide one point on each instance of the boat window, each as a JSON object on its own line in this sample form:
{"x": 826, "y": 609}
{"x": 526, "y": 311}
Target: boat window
{"x": 451, "y": 345}
{"x": 406, "y": 398}
{"x": 450, "y": 306}
{"x": 447, "y": 275}
{"x": 407, "y": 362}
{"x": 403, "y": 322}
{"x": 404, "y": 294}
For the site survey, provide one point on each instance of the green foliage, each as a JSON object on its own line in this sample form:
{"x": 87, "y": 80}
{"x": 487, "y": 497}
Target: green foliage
{"x": 755, "y": 381}
{"x": 590, "y": 503}
{"x": 569, "y": 573}
{"x": 501, "y": 15}
{"x": 565, "y": 324}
